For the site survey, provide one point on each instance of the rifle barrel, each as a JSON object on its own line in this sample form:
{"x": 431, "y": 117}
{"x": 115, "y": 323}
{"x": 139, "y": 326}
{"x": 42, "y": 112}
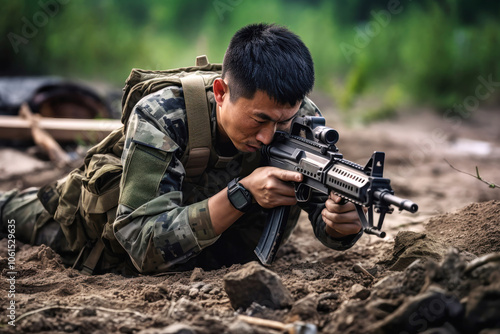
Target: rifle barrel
{"x": 403, "y": 204}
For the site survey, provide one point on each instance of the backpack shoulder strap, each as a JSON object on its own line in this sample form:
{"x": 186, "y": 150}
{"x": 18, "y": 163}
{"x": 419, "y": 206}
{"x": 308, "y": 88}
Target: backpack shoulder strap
{"x": 194, "y": 80}
{"x": 198, "y": 119}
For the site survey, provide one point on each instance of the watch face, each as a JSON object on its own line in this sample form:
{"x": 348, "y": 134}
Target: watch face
{"x": 239, "y": 199}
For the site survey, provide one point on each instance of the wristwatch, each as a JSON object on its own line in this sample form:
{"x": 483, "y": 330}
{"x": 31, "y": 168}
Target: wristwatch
{"x": 239, "y": 197}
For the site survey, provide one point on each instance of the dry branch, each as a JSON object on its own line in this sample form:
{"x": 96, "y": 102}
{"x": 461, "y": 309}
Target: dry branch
{"x": 477, "y": 176}
{"x": 45, "y": 140}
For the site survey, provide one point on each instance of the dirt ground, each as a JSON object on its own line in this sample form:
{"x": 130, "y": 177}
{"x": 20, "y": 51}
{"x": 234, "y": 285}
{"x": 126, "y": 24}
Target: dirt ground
{"x": 425, "y": 276}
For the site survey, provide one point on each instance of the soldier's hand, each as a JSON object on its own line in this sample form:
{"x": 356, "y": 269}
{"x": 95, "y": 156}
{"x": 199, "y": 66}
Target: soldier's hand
{"x": 341, "y": 219}
{"x": 271, "y": 186}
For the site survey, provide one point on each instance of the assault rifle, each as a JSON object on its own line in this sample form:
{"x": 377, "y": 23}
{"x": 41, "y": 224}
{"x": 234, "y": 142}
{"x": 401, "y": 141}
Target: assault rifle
{"x": 309, "y": 148}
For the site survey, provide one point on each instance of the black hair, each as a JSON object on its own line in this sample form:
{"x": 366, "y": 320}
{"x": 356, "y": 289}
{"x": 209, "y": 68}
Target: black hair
{"x": 270, "y": 58}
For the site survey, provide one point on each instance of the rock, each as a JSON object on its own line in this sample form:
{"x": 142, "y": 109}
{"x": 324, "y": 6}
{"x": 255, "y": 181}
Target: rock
{"x": 240, "y": 327}
{"x": 346, "y": 319}
{"x": 193, "y": 292}
{"x": 381, "y": 308}
{"x": 34, "y": 324}
{"x": 177, "y": 328}
{"x": 257, "y": 310}
{"x": 485, "y": 269}
{"x": 207, "y": 288}
{"x": 126, "y": 329}
{"x": 359, "y": 291}
{"x": 306, "y": 274}
{"x": 183, "y": 310}
{"x": 445, "y": 329}
{"x": 388, "y": 281}
{"x": 410, "y": 246}
{"x": 483, "y": 308}
{"x": 86, "y": 312}
{"x": 305, "y": 310}
{"x": 490, "y": 331}
{"x": 153, "y": 296}
{"x": 196, "y": 275}
{"x": 415, "y": 276}
{"x": 419, "y": 313}
{"x": 254, "y": 283}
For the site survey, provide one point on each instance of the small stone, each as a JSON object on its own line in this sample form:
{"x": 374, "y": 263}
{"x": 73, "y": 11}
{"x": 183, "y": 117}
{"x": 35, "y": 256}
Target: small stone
{"x": 483, "y": 307}
{"x": 153, "y": 296}
{"x": 359, "y": 291}
{"x": 431, "y": 308}
{"x": 87, "y": 312}
{"x": 240, "y": 327}
{"x": 380, "y": 308}
{"x": 177, "y": 328}
{"x": 197, "y": 285}
{"x": 127, "y": 329}
{"x": 306, "y": 274}
{"x": 254, "y": 283}
{"x": 193, "y": 292}
{"x": 69, "y": 328}
{"x": 215, "y": 291}
{"x": 197, "y": 275}
{"x": 305, "y": 310}
{"x": 207, "y": 288}
{"x": 184, "y": 310}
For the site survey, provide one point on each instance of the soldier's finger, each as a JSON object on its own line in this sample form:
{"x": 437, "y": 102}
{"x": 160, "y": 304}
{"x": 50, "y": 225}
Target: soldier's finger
{"x": 334, "y": 197}
{"x": 345, "y": 228}
{"x": 332, "y": 206}
{"x": 275, "y": 199}
{"x": 287, "y": 175}
{"x": 345, "y": 217}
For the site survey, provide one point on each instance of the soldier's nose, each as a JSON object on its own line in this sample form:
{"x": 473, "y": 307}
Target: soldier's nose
{"x": 266, "y": 134}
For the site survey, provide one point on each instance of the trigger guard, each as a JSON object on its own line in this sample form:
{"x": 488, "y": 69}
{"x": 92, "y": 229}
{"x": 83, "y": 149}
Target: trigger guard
{"x": 302, "y": 192}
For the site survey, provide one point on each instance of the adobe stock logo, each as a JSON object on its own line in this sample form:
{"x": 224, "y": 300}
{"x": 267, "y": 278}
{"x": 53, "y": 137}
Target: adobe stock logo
{"x": 453, "y": 117}
{"x": 224, "y": 6}
{"x": 30, "y": 28}
{"x": 365, "y": 34}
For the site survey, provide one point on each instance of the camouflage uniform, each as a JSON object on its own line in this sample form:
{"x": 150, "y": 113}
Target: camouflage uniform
{"x": 162, "y": 219}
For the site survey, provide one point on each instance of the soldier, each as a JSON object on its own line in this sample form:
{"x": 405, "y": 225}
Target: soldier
{"x": 162, "y": 218}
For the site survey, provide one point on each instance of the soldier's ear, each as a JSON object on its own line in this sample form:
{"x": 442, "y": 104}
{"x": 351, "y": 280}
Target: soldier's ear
{"x": 221, "y": 90}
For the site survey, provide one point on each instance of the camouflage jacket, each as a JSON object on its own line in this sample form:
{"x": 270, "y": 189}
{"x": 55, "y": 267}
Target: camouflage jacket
{"x": 162, "y": 220}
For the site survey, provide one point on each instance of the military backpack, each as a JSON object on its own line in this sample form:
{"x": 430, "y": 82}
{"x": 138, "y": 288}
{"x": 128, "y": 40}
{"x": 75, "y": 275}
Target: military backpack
{"x": 85, "y": 202}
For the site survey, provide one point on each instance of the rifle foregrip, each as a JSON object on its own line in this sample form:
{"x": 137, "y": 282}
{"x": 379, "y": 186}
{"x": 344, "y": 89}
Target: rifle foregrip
{"x": 272, "y": 235}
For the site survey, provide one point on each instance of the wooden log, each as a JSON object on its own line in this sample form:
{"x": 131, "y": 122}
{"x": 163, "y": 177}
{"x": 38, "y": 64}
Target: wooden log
{"x": 61, "y": 129}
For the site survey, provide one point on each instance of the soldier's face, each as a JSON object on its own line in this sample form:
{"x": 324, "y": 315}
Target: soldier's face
{"x": 250, "y": 123}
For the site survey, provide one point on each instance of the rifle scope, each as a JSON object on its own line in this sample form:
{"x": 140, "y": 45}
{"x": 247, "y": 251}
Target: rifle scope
{"x": 326, "y": 135}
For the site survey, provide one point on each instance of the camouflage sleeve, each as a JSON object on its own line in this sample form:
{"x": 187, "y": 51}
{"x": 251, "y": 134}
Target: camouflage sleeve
{"x": 317, "y": 203}
{"x": 152, "y": 224}
{"x": 308, "y": 108}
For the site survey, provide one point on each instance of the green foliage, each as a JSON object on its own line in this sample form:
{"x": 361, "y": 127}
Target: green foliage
{"x": 419, "y": 52}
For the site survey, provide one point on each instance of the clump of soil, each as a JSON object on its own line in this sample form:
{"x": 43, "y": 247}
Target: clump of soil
{"x": 475, "y": 228}
{"x": 328, "y": 290}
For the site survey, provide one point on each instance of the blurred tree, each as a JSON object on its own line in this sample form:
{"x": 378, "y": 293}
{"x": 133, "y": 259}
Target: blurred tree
{"x": 431, "y": 51}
